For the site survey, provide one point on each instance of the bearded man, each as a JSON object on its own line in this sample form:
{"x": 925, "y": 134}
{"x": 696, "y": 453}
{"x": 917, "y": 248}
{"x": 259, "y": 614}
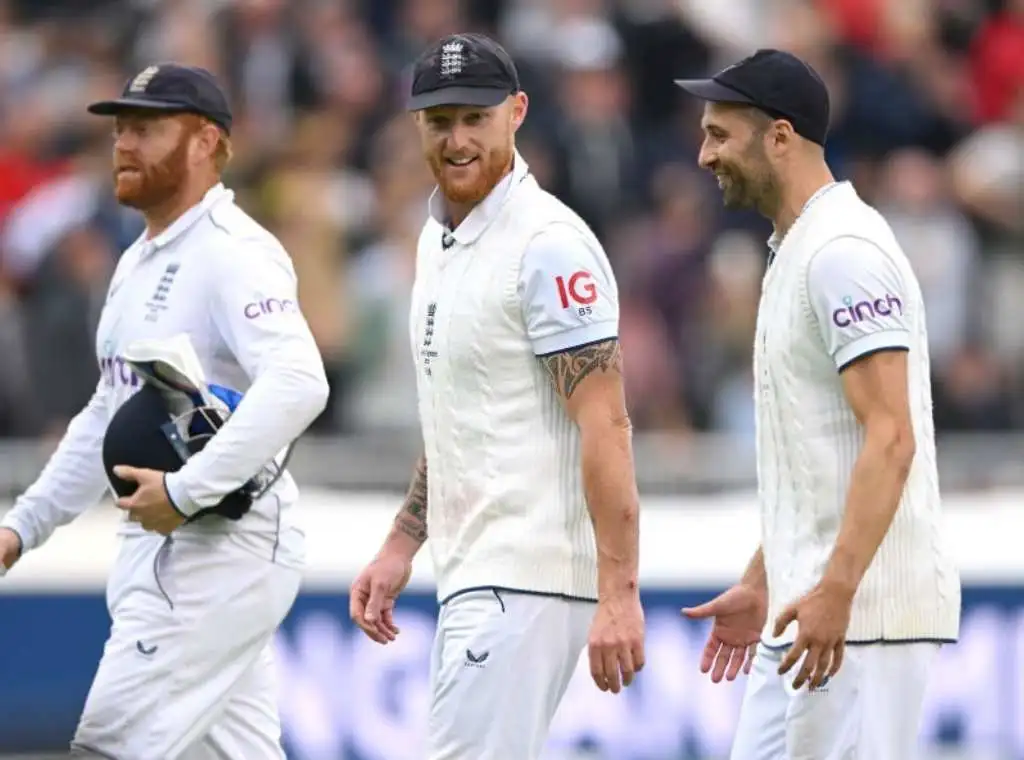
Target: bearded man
{"x": 195, "y": 595}
{"x": 854, "y": 585}
{"x": 530, "y": 504}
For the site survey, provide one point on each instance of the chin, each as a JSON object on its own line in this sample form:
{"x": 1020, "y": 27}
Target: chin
{"x": 736, "y": 202}
{"x": 127, "y": 198}
{"x": 464, "y": 192}
{"x": 127, "y": 193}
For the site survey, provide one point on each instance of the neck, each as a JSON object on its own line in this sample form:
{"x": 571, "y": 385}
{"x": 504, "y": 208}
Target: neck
{"x": 457, "y": 212}
{"x": 795, "y": 195}
{"x": 162, "y": 216}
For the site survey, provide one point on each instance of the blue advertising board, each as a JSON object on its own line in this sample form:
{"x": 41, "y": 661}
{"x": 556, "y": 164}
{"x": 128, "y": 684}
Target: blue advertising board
{"x": 346, "y": 698}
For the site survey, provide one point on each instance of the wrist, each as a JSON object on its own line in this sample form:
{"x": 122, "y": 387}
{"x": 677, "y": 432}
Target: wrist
{"x": 177, "y": 496}
{"x": 400, "y": 543}
{"x": 17, "y": 537}
{"x": 760, "y": 589}
{"x": 841, "y": 573}
{"x": 617, "y": 584}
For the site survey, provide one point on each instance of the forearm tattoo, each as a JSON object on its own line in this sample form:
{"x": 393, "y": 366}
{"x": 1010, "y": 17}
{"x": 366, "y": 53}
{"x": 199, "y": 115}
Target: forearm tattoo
{"x": 412, "y": 520}
{"x": 567, "y": 369}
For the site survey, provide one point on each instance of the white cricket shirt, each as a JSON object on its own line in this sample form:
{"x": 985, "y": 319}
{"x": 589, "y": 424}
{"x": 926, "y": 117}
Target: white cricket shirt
{"x": 521, "y": 276}
{"x": 222, "y": 279}
{"x": 839, "y": 288}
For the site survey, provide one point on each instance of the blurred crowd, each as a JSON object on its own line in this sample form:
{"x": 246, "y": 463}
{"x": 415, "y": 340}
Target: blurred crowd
{"x": 928, "y": 102}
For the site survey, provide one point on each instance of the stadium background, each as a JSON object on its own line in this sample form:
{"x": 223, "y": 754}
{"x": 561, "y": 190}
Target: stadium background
{"x": 928, "y": 121}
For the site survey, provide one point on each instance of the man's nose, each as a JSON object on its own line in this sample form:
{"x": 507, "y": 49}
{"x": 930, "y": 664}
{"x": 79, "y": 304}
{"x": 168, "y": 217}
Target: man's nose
{"x": 458, "y": 138}
{"x": 125, "y": 142}
{"x": 706, "y": 157}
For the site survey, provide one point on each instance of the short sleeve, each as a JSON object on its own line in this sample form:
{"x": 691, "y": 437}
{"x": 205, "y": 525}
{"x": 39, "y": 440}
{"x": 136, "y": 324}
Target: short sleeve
{"x": 568, "y": 290}
{"x": 860, "y": 299}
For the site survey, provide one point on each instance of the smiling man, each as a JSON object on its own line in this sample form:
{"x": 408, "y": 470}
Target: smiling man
{"x": 852, "y": 570}
{"x": 530, "y": 502}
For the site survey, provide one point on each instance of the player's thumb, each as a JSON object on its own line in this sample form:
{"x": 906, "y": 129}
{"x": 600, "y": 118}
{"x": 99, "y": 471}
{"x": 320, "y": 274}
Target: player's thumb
{"x": 706, "y": 610}
{"x": 125, "y": 472}
{"x": 783, "y": 620}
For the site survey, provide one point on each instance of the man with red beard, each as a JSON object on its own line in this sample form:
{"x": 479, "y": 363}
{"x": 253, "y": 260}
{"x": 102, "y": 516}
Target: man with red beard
{"x": 195, "y": 595}
{"x": 531, "y": 502}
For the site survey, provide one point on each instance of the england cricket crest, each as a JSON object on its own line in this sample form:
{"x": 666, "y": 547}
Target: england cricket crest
{"x": 143, "y": 78}
{"x": 453, "y": 59}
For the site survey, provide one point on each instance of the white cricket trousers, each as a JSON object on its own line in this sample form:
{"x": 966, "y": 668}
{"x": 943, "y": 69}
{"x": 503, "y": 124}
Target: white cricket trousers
{"x": 870, "y": 710}
{"x": 501, "y": 663}
{"x": 187, "y": 672}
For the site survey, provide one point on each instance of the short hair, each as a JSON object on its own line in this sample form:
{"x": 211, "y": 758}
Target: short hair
{"x": 223, "y": 153}
{"x": 760, "y": 119}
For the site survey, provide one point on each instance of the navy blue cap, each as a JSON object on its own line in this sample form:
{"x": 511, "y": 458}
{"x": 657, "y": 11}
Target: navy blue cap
{"x": 463, "y": 70}
{"x": 172, "y": 88}
{"x": 773, "y": 81}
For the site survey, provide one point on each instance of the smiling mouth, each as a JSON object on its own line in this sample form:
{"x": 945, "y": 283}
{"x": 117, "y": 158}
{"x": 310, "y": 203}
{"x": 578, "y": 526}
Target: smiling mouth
{"x": 460, "y": 162}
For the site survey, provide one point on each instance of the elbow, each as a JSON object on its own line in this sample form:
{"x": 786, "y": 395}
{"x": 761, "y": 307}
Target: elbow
{"x": 900, "y": 448}
{"x": 600, "y": 421}
{"x": 309, "y": 391}
{"x": 317, "y": 393}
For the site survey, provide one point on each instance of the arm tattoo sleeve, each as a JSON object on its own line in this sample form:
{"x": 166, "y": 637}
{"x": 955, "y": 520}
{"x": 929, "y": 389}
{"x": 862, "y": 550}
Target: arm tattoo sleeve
{"x": 567, "y": 369}
{"x": 412, "y": 520}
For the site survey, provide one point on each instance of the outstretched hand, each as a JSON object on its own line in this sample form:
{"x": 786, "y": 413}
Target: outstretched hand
{"x": 739, "y": 615}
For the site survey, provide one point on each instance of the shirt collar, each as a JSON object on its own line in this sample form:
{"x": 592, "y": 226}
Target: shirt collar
{"x": 486, "y": 210}
{"x": 213, "y": 196}
{"x": 774, "y": 242}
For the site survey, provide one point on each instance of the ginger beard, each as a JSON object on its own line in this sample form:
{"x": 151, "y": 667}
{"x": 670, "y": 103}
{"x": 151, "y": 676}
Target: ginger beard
{"x": 153, "y": 185}
{"x": 472, "y": 183}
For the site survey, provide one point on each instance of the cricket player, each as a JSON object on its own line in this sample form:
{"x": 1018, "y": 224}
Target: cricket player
{"x": 526, "y": 487}
{"x": 187, "y": 671}
{"x": 853, "y": 584}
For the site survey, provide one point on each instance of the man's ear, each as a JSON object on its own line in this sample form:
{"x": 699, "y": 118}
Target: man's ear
{"x": 520, "y": 105}
{"x": 205, "y": 139}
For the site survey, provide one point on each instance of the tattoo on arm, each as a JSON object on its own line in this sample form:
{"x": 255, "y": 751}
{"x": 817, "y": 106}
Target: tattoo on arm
{"x": 412, "y": 520}
{"x": 567, "y": 369}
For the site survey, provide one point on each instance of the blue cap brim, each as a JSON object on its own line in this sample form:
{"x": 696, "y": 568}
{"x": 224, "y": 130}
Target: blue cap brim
{"x": 114, "y": 107}
{"x": 715, "y": 92}
{"x": 485, "y": 97}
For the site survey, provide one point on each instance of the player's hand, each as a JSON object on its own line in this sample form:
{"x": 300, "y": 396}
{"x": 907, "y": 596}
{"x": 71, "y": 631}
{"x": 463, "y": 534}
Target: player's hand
{"x": 149, "y": 505}
{"x": 822, "y": 617}
{"x": 616, "y": 645}
{"x": 374, "y": 592}
{"x": 10, "y": 549}
{"x": 739, "y": 616}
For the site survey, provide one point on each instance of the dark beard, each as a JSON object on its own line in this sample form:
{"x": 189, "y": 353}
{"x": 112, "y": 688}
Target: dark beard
{"x": 159, "y": 183}
{"x": 758, "y": 192}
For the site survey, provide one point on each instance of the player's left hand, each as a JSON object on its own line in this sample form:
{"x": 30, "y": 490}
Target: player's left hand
{"x": 822, "y": 617}
{"x": 149, "y": 505}
{"x": 616, "y": 645}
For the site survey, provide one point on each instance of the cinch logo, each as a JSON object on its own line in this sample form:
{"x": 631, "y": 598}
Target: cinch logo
{"x": 851, "y": 313}
{"x": 580, "y": 289}
{"x": 116, "y": 371}
{"x": 269, "y": 306}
